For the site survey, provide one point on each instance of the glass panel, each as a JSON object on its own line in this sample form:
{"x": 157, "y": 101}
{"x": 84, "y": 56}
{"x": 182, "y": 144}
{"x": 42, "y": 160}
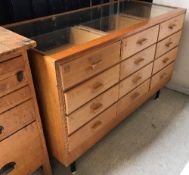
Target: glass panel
{"x": 69, "y": 29}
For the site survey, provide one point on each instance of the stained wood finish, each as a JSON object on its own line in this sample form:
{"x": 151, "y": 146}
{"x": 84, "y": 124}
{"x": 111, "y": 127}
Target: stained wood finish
{"x": 27, "y": 155}
{"x": 16, "y": 118}
{"x": 134, "y": 80}
{"x": 171, "y": 26}
{"x": 164, "y": 60}
{"x": 137, "y": 61}
{"x": 91, "y": 109}
{"x": 89, "y": 65}
{"x": 168, "y": 44}
{"x": 67, "y": 101}
{"x": 139, "y": 41}
{"x": 90, "y": 89}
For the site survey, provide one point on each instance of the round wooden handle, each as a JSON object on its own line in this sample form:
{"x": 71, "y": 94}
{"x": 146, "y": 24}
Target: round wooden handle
{"x": 96, "y": 124}
{"x": 165, "y": 60}
{"x": 141, "y": 41}
{"x": 168, "y": 44}
{"x": 138, "y": 61}
{"x": 97, "y": 86}
{"x": 172, "y": 26}
{"x": 135, "y": 95}
{"x": 1, "y": 129}
{"x": 96, "y": 106}
{"x": 20, "y": 76}
{"x": 136, "y": 79}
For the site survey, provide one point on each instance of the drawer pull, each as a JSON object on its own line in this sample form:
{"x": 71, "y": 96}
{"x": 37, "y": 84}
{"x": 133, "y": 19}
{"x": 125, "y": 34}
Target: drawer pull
{"x": 6, "y": 169}
{"x": 96, "y": 106}
{"x": 136, "y": 79}
{"x": 95, "y": 64}
{"x": 162, "y": 76}
{"x": 168, "y": 44}
{"x": 141, "y": 41}
{"x": 165, "y": 60}
{"x": 172, "y": 26}
{"x": 135, "y": 95}
{"x": 98, "y": 86}
{"x": 96, "y": 124}
{"x": 138, "y": 61}
{"x": 20, "y": 76}
{"x": 1, "y": 129}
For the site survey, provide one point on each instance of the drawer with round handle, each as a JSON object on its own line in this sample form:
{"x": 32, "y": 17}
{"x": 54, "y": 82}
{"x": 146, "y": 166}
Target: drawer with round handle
{"x": 16, "y": 118}
{"x": 22, "y": 153}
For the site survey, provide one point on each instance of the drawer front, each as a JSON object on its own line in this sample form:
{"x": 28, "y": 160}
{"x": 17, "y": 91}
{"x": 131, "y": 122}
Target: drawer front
{"x": 139, "y": 41}
{"x": 16, "y": 118}
{"x": 133, "y": 96}
{"x": 22, "y": 152}
{"x": 161, "y": 78}
{"x": 171, "y": 26}
{"x": 12, "y": 83}
{"x": 10, "y": 55}
{"x": 94, "y": 129}
{"x": 168, "y": 44}
{"x": 166, "y": 59}
{"x": 134, "y": 80}
{"x": 91, "y": 109}
{"x": 11, "y": 67}
{"x": 86, "y": 66}
{"x": 137, "y": 61}
{"x": 14, "y": 98}
{"x": 90, "y": 89}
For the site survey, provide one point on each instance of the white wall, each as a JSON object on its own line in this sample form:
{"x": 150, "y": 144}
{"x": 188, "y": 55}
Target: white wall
{"x": 180, "y": 80}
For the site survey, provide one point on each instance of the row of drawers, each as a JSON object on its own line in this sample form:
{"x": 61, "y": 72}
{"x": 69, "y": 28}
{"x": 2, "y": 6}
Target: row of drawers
{"x": 117, "y": 110}
{"x": 86, "y": 66}
{"x": 78, "y": 96}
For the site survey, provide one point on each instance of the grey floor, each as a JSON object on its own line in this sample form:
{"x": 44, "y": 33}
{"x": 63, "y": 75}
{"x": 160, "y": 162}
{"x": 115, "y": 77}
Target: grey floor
{"x": 153, "y": 141}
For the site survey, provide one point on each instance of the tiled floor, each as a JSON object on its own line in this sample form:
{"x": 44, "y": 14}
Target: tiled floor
{"x": 153, "y": 141}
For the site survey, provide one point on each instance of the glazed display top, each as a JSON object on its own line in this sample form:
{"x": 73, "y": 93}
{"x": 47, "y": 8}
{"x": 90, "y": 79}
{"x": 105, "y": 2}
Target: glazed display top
{"x": 62, "y": 31}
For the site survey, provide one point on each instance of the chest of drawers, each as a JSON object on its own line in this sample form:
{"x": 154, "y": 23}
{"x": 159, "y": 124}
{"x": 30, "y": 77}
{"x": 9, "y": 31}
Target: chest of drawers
{"x": 22, "y": 145}
{"x": 86, "y": 89}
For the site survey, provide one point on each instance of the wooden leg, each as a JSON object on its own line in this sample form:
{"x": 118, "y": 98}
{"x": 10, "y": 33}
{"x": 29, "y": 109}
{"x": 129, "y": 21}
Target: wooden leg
{"x": 157, "y": 94}
{"x": 71, "y": 169}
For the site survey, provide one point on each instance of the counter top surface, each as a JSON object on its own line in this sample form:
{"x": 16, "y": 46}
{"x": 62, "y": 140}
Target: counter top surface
{"x": 10, "y": 42}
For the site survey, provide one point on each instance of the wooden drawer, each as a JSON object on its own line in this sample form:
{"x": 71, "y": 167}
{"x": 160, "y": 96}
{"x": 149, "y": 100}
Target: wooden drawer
{"x": 163, "y": 61}
{"x": 11, "y": 67}
{"x": 81, "y": 94}
{"x": 136, "y": 79}
{"x": 12, "y": 83}
{"x": 137, "y": 61}
{"x": 133, "y": 96}
{"x": 168, "y": 44}
{"x": 91, "y": 109}
{"x": 14, "y": 98}
{"x": 161, "y": 78}
{"x": 171, "y": 26}
{"x": 139, "y": 41}
{"x": 16, "y": 118}
{"x": 10, "y": 55}
{"x": 22, "y": 152}
{"x": 95, "y": 129}
{"x": 89, "y": 65}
